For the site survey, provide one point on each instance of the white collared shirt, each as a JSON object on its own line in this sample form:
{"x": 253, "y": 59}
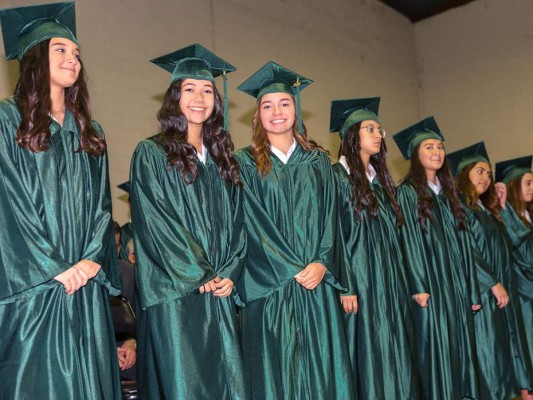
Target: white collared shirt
{"x": 203, "y": 155}
{"x": 527, "y": 215}
{"x": 370, "y": 176}
{"x": 284, "y": 158}
{"x": 480, "y": 204}
{"x": 436, "y": 187}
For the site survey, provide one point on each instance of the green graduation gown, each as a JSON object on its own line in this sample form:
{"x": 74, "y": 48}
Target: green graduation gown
{"x": 378, "y": 335}
{"x": 522, "y": 238}
{"x": 504, "y": 364}
{"x": 439, "y": 262}
{"x": 185, "y": 235}
{"x": 55, "y": 210}
{"x": 293, "y": 340}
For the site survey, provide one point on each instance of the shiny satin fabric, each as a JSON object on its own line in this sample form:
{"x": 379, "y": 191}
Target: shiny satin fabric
{"x": 522, "y": 268}
{"x": 383, "y": 358}
{"x": 439, "y": 262}
{"x": 504, "y": 364}
{"x": 55, "y": 211}
{"x": 185, "y": 235}
{"x": 292, "y": 338}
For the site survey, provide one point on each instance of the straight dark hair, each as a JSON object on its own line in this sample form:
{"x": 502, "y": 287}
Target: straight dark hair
{"x": 417, "y": 176}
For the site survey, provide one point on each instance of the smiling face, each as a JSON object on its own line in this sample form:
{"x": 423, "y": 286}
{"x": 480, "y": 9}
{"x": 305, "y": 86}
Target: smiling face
{"x": 64, "y": 63}
{"x": 370, "y": 143}
{"x": 480, "y": 176}
{"x": 431, "y": 154}
{"x": 197, "y": 100}
{"x": 277, "y": 113}
{"x": 526, "y": 186}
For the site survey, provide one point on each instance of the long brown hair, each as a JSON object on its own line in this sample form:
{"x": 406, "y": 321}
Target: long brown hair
{"x": 32, "y": 95}
{"x": 180, "y": 153}
{"x": 514, "y": 197}
{"x": 489, "y": 199}
{"x": 417, "y": 176}
{"x": 261, "y": 145}
{"x": 362, "y": 194}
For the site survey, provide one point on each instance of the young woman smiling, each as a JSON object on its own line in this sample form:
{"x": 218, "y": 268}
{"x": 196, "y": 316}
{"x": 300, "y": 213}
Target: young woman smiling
{"x": 440, "y": 267}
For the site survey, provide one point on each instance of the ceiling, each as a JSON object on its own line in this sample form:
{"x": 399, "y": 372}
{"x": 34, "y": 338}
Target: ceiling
{"x": 417, "y": 10}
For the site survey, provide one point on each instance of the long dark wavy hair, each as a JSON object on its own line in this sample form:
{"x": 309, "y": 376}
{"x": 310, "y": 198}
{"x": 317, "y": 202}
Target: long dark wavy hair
{"x": 467, "y": 190}
{"x": 514, "y": 197}
{"x": 261, "y": 145}
{"x": 362, "y": 194}
{"x": 32, "y": 95}
{"x": 180, "y": 153}
{"x": 417, "y": 176}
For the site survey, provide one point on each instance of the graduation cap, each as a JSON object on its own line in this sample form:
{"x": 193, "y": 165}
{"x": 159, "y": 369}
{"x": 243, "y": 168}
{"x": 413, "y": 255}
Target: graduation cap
{"x": 460, "y": 159}
{"x": 345, "y": 113}
{"x": 274, "y": 78}
{"x": 411, "y": 137}
{"x": 508, "y": 170}
{"x": 125, "y": 186}
{"x": 24, "y": 27}
{"x": 196, "y": 62}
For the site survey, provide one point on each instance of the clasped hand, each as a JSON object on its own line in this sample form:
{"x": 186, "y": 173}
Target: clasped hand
{"x": 78, "y": 275}
{"x": 220, "y": 287}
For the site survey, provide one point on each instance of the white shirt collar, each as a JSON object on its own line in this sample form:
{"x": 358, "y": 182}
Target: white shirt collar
{"x": 480, "y": 204}
{"x": 202, "y": 157}
{"x": 344, "y": 163}
{"x": 371, "y": 169}
{"x": 284, "y": 158}
{"x": 372, "y": 173}
{"x": 436, "y": 187}
{"x": 527, "y": 215}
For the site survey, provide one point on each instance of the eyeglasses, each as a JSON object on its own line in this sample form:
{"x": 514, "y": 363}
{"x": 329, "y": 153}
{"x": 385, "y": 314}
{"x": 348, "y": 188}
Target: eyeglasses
{"x": 371, "y": 129}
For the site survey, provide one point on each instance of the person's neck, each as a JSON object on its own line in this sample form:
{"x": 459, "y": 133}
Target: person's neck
{"x": 365, "y": 158}
{"x": 194, "y": 137}
{"x": 431, "y": 176}
{"x": 57, "y": 97}
{"x": 281, "y": 142}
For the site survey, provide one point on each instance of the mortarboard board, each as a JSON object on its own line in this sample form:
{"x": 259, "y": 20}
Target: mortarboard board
{"x": 24, "y": 27}
{"x": 460, "y": 159}
{"x": 409, "y": 138}
{"x": 125, "y": 186}
{"x": 274, "y": 78}
{"x": 345, "y": 113}
{"x": 508, "y": 170}
{"x": 196, "y": 62}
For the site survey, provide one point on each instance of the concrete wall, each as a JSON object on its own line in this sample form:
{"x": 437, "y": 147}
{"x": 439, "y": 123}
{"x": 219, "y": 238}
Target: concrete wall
{"x": 476, "y": 74}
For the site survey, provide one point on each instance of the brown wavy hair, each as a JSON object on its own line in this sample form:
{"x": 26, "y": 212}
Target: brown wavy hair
{"x": 32, "y": 96}
{"x": 417, "y": 176}
{"x": 180, "y": 153}
{"x": 514, "y": 197}
{"x": 261, "y": 145}
{"x": 467, "y": 190}
{"x": 362, "y": 194}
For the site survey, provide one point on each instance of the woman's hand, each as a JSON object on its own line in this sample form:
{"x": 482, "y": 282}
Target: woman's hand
{"x": 501, "y": 295}
{"x": 421, "y": 299}
{"x": 501, "y": 191}
{"x": 72, "y": 279}
{"x": 224, "y": 288}
{"x": 210, "y": 286}
{"x": 90, "y": 268}
{"x": 127, "y": 354}
{"x": 311, "y": 276}
{"x": 349, "y": 303}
